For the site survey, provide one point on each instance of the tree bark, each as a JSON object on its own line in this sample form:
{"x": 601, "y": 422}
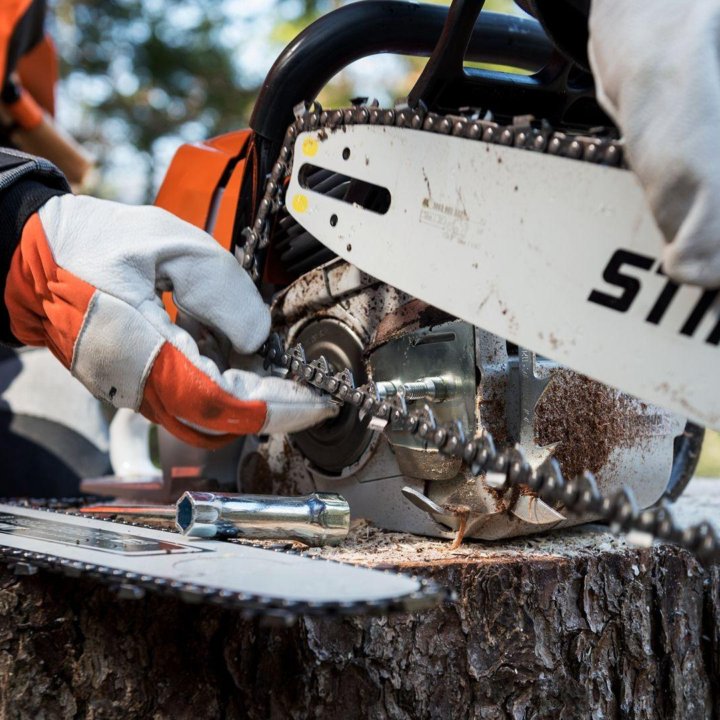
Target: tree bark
{"x": 571, "y": 625}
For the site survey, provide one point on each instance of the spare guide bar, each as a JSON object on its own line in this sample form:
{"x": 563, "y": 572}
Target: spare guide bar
{"x": 256, "y": 580}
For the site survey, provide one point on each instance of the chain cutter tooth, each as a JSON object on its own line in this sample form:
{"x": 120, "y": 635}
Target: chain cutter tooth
{"x": 297, "y": 359}
{"x": 320, "y": 372}
{"x": 272, "y": 351}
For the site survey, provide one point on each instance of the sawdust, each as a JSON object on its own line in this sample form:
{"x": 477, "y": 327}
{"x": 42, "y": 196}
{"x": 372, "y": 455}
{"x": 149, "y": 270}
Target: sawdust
{"x": 274, "y": 469}
{"x": 457, "y": 509}
{"x": 492, "y": 410}
{"x": 372, "y": 547}
{"x": 460, "y": 534}
{"x": 257, "y": 477}
{"x": 588, "y": 419}
{"x": 505, "y": 500}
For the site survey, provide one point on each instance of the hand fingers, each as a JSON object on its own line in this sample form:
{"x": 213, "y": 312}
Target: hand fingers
{"x": 176, "y": 390}
{"x": 229, "y": 303}
{"x": 645, "y": 93}
{"x": 209, "y": 285}
{"x": 187, "y": 434}
{"x": 131, "y": 252}
{"x": 292, "y": 407}
{"x": 188, "y": 401}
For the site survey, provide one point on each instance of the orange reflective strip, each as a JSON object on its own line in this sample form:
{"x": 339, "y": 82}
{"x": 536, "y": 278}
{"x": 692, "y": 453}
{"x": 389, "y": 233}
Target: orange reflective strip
{"x": 25, "y": 111}
{"x": 47, "y": 304}
{"x": 176, "y": 389}
{"x": 38, "y": 71}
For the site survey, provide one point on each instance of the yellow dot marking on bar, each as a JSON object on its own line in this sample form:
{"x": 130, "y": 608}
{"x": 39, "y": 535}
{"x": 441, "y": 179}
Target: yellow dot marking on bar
{"x": 309, "y": 146}
{"x": 300, "y": 203}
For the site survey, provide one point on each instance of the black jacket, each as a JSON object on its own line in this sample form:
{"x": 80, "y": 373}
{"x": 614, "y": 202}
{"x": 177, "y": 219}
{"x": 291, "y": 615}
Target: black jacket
{"x": 26, "y": 184}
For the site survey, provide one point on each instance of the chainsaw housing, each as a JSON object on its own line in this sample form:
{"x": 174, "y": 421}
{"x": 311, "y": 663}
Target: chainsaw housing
{"x": 385, "y": 336}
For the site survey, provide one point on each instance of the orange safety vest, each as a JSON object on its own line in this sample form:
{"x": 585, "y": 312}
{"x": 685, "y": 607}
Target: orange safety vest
{"x": 28, "y": 62}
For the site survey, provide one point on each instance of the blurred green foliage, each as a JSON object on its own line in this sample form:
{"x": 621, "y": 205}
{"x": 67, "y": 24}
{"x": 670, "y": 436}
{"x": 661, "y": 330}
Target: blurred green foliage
{"x": 142, "y": 76}
{"x": 153, "y": 66}
{"x": 709, "y": 465}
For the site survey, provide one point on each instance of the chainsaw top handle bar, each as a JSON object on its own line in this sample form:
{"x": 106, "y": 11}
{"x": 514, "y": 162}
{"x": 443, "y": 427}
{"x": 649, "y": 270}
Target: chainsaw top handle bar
{"x": 361, "y": 29}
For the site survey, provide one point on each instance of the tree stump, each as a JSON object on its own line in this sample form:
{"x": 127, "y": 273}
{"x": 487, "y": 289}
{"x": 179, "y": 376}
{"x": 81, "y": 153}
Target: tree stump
{"x": 570, "y": 625}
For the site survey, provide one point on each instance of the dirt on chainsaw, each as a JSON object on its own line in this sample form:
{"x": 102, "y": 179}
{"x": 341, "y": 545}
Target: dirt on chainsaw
{"x": 588, "y": 419}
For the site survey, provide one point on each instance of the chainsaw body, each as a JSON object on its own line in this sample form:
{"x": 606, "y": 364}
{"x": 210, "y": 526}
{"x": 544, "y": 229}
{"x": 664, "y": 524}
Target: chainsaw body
{"x": 389, "y": 338}
{"x": 457, "y": 372}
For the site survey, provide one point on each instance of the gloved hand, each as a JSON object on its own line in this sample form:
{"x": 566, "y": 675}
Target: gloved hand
{"x": 657, "y": 71}
{"x": 84, "y": 281}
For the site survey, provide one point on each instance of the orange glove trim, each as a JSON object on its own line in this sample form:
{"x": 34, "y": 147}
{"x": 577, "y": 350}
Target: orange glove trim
{"x": 201, "y": 402}
{"x": 46, "y": 304}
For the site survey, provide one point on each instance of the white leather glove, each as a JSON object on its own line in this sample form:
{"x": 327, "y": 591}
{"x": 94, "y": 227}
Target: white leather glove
{"x": 85, "y": 281}
{"x": 657, "y": 71}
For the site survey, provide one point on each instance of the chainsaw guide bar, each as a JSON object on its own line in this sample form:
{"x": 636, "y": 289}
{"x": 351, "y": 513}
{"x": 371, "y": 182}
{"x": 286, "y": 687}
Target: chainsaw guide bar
{"x": 258, "y": 581}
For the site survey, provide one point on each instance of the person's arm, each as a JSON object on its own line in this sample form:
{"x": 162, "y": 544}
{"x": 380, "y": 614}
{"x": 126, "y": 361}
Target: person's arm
{"x": 26, "y": 184}
{"x": 22, "y": 28}
{"x": 26, "y": 112}
{"x": 657, "y": 72}
{"x": 83, "y": 276}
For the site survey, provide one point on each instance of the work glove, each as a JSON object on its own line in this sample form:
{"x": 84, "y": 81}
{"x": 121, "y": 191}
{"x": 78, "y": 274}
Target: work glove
{"x": 85, "y": 281}
{"x": 657, "y": 72}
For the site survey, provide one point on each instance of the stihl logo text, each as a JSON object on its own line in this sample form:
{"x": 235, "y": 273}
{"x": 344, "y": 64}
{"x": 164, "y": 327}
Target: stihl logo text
{"x": 616, "y": 273}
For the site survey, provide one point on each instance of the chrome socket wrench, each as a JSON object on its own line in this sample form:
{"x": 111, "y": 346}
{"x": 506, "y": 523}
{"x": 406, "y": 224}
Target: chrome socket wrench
{"x": 315, "y": 519}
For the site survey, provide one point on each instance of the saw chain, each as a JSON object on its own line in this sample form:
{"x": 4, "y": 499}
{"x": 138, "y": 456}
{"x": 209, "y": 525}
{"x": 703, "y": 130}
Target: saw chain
{"x": 504, "y": 468}
{"x": 525, "y": 133}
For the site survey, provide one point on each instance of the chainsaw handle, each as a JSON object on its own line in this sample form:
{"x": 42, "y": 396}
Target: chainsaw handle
{"x": 361, "y": 29}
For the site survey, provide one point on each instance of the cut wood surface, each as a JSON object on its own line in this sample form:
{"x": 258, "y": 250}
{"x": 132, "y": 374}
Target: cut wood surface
{"x": 576, "y": 624}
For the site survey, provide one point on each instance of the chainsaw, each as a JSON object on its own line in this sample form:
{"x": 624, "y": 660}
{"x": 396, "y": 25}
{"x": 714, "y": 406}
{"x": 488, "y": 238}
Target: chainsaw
{"x": 471, "y": 274}
{"x": 354, "y": 220}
